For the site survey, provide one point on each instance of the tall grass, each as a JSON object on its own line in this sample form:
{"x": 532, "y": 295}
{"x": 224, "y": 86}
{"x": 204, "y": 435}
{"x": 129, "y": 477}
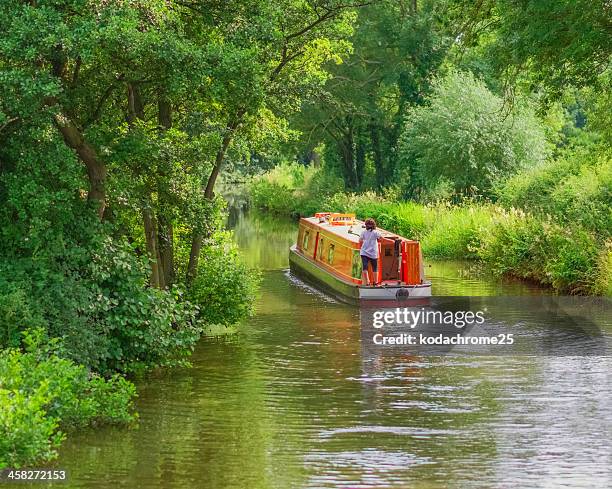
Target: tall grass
{"x": 575, "y": 189}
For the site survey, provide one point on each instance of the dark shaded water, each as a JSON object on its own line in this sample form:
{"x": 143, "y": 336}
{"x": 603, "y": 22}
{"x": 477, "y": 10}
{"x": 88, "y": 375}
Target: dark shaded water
{"x": 293, "y": 400}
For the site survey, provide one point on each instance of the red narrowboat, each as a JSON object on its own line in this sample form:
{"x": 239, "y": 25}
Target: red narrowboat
{"x": 327, "y": 253}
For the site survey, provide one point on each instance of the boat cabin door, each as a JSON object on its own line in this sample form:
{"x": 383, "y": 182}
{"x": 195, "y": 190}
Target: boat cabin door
{"x": 390, "y": 258}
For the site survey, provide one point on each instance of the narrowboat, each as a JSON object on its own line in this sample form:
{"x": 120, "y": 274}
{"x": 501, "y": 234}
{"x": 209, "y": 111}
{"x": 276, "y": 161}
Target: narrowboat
{"x": 327, "y": 254}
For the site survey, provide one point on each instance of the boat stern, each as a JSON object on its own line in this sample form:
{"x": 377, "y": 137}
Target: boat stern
{"x": 395, "y": 292}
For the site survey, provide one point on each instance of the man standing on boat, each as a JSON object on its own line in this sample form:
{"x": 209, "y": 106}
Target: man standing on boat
{"x": 369, "y": 250}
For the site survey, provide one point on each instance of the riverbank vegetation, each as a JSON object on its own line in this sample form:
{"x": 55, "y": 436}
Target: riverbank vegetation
{"x": 470, "y": 127}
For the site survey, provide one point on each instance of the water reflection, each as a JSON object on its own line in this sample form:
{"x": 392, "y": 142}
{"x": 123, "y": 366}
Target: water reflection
{"x": 296, "y": 400}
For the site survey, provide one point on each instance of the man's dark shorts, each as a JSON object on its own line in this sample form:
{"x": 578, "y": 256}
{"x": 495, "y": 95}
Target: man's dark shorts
{"x": 365, "y": 260}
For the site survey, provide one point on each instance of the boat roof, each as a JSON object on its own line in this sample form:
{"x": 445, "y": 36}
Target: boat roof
{"x": 351, "y": 232}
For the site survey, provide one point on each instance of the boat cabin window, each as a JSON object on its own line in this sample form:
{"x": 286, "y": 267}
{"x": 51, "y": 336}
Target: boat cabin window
{"x": 356, "y": 264}
{"x": 321, "y": 244}
{"x": 306, "y": 240}
{"x": 330, "y": 254}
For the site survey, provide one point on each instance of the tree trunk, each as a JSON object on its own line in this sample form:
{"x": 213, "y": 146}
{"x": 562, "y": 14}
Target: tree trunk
{"x": 347, "y": 153}
{"x": 198, "y": 237}
{"x": 360, "y": 159}
{"x": 220, "y": 157}
{"x": 165, "y": 228}
{"x": 151, "y": 240}
{"x": 96, "y": 169}
{"x": 315, "y": 158}
{"x": 135, "y": 105}
{"x": 165, "y": 233}
{"x": 164, "y": 113}
{"x": 74, "y": 139}
{"x": 135, "y": 111}
{"x": 377, "y": 155}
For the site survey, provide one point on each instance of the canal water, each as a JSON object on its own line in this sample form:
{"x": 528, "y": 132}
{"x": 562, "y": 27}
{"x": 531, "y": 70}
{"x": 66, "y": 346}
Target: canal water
{"x": 295, "y": 400}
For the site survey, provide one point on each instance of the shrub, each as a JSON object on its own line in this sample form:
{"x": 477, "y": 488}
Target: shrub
{"x": 584, "y": 199}
{"x": 574, "y": 189}
{"x": 15, "y": 310}
{"x": 100, "y": 304}
{"x": 320, "y": 185}
{"x": 225, "y": 289}
{"x": 41, "y": 393}
{"x": 531, "y": 188}
{"x": 293, "y": 189}
{"x": 272, "y": 197}
{"x": 526, "y": 247}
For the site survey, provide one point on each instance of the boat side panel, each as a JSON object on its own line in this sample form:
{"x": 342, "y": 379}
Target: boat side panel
{"x": 341, "y": 257}
{"x": 412, "y": 273}
{"x": 302, "y": 266}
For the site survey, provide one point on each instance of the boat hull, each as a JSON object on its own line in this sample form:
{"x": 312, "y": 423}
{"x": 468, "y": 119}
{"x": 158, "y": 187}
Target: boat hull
{"x": 350, "y": 292}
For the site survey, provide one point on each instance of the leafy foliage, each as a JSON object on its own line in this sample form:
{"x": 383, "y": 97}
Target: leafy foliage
{"x": 62, "y": 271}
{"x": 527, "y": 247}
{"x": 557, "y": 43}
{"x": 397, "y": 47}
{"x": 293, "y": 189}
{"x": 574, "y": 189}
{"x": 41, "y": 392}
{"x": 464, "y": 137}
{"x": 224, "y": 289}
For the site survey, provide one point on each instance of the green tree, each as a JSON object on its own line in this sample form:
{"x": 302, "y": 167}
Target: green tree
{"x": 551, "y": 43}
{"x": 272, "y": 56}
{"x": 397, "y": 47}
{"x": 465, "y": 137}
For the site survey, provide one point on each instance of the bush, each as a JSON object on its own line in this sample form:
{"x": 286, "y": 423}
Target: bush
{"x": 100, "y": 304}
{"x": 144, "y": 327}
{"x": 225, "y": 289}
{"x": 320, "y": 185}
{"x": 526, "y": 247}
{"x": 272, "y": 197}
{"x": 41, "y": 393}
{"x": 574, "y": 189}
{"x": 15, "y": 310}
{"x": 293, "y": 190}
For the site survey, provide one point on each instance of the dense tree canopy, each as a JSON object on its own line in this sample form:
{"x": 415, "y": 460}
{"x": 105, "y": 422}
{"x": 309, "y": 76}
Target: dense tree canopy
{"x": 116, "y": 120}
{"x": 397, "y": 48}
